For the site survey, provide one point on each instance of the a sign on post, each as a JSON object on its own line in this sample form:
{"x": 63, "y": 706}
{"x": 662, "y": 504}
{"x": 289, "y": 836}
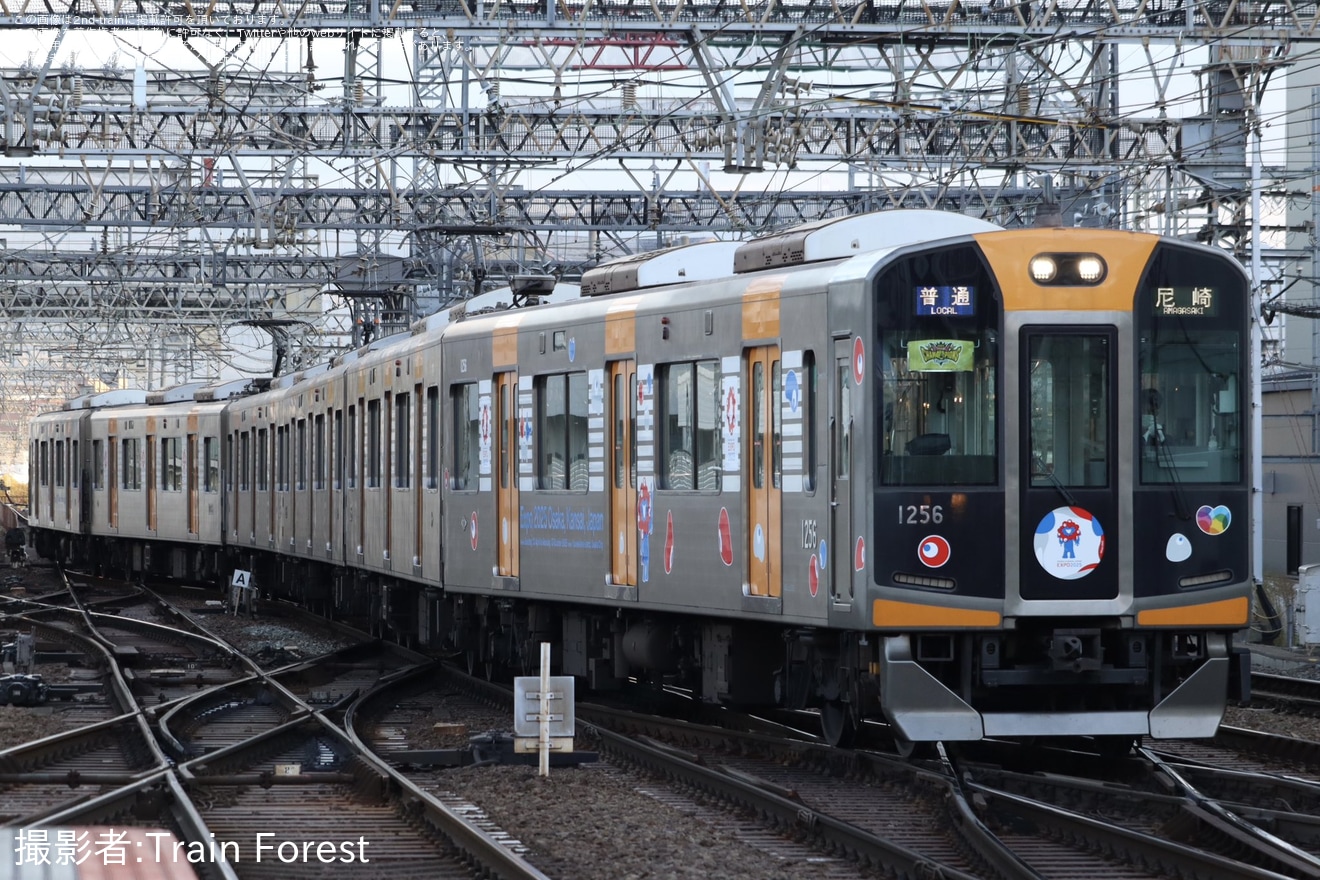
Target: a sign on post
{"x": 543, "y": 715}
{"x": 240, "y": 590}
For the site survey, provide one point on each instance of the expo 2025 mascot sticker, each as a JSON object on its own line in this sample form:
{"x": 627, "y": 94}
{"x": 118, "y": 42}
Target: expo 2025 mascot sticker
{"x": 1069, "y": 543}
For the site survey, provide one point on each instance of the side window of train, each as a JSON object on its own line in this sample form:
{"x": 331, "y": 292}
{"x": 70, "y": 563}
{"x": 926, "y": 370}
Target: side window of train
{"x": 300, "y": 454}
{"x": 339, "y": 449}
{"x": 403, "y": 435}
{"x": 98, "y": 464}
{"x": 937, "y": 360}
{"x": 690, "y": 453}
{"x": 467, "y": 435}
{"x": 808, "y": 391}
{"x": 318, "y": 452}
{"x": 373, "y": 450}
{"x": 228, "y": 446}
{"x": 281, "y": 458}
{"x": 561, "y": 431}
{"x": 171, "y": 465}
{"x": 351, "y": 449}
{"x": 131, "y": 466}
{"x": 263, "y": 459}
{"x": 432, "y": 437}
{"x": 1193, "y": 372}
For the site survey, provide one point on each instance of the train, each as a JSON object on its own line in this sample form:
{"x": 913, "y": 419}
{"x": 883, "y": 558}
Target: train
{"x": 978, "y": 482}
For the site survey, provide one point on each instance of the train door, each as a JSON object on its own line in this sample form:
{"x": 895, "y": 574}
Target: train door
{"x": 506, "y": 467}
{"x": 150, "y": 485}
{"x": 194, "y": 496}
{"x": 1069, "y": 501}
{"x": 112, "y": 482}
{"x": 423, "y": 431}
{"x": 68, "y": 481}
{"x": 390, "y": 427}
{"x": 765, "y": 470}
{"x": 623, "y": 473}
{"x": 840, "y": 548}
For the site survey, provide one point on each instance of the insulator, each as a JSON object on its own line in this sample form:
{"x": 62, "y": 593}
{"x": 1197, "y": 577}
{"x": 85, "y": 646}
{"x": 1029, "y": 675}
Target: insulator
{"x": 1024, "y": 101}
{"x": 359, "y": 93}
{"x": 77, "y": 91}
{"x": 629, "y": 95}
{"x": 493, "y": 90}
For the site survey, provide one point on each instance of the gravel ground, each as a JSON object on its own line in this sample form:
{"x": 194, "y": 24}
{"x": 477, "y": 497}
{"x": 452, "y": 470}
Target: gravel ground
{"x": 610, "y": 824}
{"x": 1278, "y": 661}
{"x": 19, "y": 725}
{"x": 269, "y": 641}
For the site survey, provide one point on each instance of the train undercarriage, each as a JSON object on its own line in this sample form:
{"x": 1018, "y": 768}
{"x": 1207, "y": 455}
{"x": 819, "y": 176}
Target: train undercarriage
{"x": 1089, "y": 677}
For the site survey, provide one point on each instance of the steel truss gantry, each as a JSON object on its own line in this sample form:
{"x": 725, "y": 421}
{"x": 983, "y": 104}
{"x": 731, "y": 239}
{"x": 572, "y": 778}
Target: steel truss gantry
{"x": 224, "y": 185}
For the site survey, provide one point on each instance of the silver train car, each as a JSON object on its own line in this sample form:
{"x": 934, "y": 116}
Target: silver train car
{"x": 980, "y": 482}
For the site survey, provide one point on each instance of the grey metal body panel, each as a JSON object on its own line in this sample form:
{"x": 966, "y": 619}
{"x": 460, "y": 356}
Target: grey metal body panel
{"x": 563, "y": 541}
{"x": 173, "y": 513}
{"x": 58, "y": 498}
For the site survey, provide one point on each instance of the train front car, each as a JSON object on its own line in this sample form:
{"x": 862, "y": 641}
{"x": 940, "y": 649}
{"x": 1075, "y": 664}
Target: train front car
{"x": 1061, "y": 478}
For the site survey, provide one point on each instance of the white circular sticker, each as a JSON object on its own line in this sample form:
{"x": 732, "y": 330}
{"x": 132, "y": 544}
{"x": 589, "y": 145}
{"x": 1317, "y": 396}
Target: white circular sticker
{"x": 1069, "y": 543}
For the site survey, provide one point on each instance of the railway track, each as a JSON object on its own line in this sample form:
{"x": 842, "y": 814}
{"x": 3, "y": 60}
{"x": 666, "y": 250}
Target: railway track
{"x": 58, "y": 771}
{"x": 260, "y": 748}
{"x": 255, "y": 750}
{"x": 321, "y": 795}
{"x": 1285, "y": 693}
{"x": 943, "y": 817}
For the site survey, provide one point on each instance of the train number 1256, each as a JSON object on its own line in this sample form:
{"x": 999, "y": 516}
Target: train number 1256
{"x": 920, "y": 514}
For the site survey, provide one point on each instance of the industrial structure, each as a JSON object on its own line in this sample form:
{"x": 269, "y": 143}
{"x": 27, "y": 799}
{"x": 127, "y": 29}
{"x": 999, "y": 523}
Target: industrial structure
{"x": 303, "y": 179}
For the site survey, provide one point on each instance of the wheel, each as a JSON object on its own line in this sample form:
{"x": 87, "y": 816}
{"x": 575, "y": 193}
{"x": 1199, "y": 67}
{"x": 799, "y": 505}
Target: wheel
{"x": 838, "y": 725}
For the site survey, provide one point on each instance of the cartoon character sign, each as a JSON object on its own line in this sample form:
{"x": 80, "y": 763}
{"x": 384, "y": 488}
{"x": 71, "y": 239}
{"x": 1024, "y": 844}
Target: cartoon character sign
{"x": 644, "y": 526}
{"x": 1069, "y": 543}
{"x": 934, "y": 551}
{"x": 1069, "y": 534}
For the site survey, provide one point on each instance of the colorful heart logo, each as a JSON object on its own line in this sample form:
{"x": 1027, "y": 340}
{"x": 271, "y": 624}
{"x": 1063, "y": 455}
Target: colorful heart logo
{"x": 726, "y": 538}
{"x": 1213, "y": 520}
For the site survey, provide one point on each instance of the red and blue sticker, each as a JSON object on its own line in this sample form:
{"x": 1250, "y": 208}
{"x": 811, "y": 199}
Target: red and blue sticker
{"x": 933, "y": 551}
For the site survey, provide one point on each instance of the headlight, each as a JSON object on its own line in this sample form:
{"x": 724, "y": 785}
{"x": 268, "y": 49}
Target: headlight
{"x": 1043, "y": 269}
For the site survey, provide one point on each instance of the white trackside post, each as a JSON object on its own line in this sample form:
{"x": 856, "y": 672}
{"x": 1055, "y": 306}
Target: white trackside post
{"x": 543, "y": 741}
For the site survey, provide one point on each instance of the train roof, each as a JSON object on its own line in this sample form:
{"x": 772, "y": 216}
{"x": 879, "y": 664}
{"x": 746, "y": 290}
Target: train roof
{"x": 850, "y": 236}
{"x": 231, "y": 389}
{"x": 704, "y": 261}
{"x": 496, "y": 300}
{"x": 176, "y": 394}
{"x": 117, "y": 397}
